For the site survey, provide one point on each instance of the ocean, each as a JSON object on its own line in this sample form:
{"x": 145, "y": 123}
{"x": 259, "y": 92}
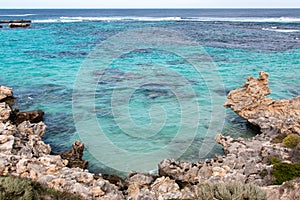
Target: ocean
{"x": 140, "y": 85}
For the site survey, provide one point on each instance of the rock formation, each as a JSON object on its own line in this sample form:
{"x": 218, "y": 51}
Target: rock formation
{"x": 5, "y": 93}
{"x": 18, "y": 25}
{"x": 34, "y": 116}
{"x": 286, "y": 191}
{"x": 246, "y": 160}
{"x": 14, "y": 21}
{"x": 74, "y": 156}
{"x": 24, "y": 154}
{"x": 250, "y": 102}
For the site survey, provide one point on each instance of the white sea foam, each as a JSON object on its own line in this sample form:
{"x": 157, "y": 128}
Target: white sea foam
{"x": 17, "y": 15}
{"x": 281, "y": 30}
{"x": 175, "y": 18}
{"x": 247, "y": 19}
{"x": 107, "y": 19}
{"x": 45, "y": 21}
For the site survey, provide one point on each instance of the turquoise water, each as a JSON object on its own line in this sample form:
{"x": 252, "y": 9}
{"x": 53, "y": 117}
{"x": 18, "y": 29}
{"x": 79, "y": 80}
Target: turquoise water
{"x": 41, "y": 65}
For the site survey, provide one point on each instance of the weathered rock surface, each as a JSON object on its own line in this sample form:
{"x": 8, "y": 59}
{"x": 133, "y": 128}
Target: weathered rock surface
{"x": 5, "y": 92}
{"x": 24, "y": 154}
{"x": 74, "y": 156}
{"x": 245, "y": 160}
{"x": 34, "y": 116}
{"x": 5, "y": 112}
{"x": 287, "y": 191}
{"x": 251, "y": 103}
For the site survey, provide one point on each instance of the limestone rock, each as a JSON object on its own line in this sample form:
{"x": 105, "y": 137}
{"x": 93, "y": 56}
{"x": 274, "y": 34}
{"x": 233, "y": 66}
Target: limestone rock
{"x": 115, "y": 179}
{"x": 5, "y": 92}
{"x": 165, "y": 188}
{"x": 7, "y": 128}
{"x": 139, "y": 186}
{"x": 250, "y": 102}
{"x": 178, "y": 170}
{"x": 24, "y": 154}
{"x": 5, "y": 112}
{"x": 74, "y": 156}
{"x": 286, "y": 191}
{"x": 34, "y": 116}
{"x": 6, "y": 144}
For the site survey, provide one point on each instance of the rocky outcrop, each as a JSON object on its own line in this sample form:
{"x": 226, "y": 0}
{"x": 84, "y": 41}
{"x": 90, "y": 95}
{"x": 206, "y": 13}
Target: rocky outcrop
{"x": 24, "y": 154}
{"x": 34, "y": 116}
{"x": 74, "y": 156}
{"x": 287, "y": 191}
{"x": 251, "y": 103}
{"x": 18, "y": 25}
{"x": 15, "y": 21}
{"x": 245, "y": 160}
{"x": 5, "y": 93}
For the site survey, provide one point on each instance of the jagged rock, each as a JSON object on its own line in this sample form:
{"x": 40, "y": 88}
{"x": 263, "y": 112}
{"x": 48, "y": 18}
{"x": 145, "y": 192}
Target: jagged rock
{"x": 5, "y": 112}
{"x": 138, "y": 186}
{"x": 7, "y": 128}
{"x": 182, "y": 171}
{"x": 74, "y": 156}
{"x": 140, "y": 178}
{"x": 5, "y": 93}
{"x": 6, "y": 145}
{"x": 165, "y": 188}
{"x": 24, "y": 154}
{"x": 115, "y": 179}
{"x": 26, "y": 128}
{"x": 286, "y": 191}
{"x": 250, "y": 102}
{"x": 18, "y": 25}
{"x": 34, "y": 116}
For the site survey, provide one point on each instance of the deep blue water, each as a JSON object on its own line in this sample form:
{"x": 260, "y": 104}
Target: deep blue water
{"x": 43, "y": 63}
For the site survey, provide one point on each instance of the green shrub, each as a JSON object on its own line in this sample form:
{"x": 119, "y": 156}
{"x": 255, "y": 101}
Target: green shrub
{"x": 229, "y": 191}
{"x": 274, "y": 160}
{"x": 279, "y": 138}
{"x": 12, "y": 188}
{"x": 283, "y": 172}
{"x": 291, "y": 141}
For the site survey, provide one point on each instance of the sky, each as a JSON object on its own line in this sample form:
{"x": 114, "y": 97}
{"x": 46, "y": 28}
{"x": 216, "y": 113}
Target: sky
{"x": 150, "y": 4}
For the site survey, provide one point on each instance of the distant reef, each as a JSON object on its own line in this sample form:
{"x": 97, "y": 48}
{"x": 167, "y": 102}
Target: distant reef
{"x": 266, "y": 166}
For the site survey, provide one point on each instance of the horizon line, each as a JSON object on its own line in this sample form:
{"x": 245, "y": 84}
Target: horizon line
{"x": 140, "y": 8}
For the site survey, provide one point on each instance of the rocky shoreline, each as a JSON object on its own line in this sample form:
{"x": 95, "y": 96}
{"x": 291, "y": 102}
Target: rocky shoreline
{"x": 247, "y": 161}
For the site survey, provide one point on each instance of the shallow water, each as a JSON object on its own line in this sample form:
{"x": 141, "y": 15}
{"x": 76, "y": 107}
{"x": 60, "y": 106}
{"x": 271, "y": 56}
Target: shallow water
{"x": 41, "y": 64}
